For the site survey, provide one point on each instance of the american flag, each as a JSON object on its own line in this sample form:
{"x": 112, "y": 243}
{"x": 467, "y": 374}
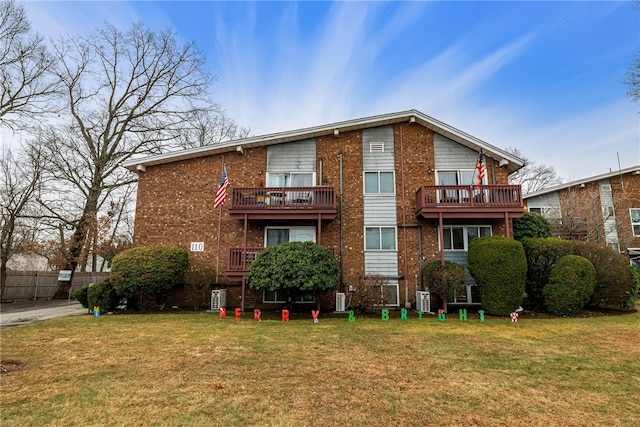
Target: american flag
{"x": 222, "y": 189}
{"x": 480, "y": 166}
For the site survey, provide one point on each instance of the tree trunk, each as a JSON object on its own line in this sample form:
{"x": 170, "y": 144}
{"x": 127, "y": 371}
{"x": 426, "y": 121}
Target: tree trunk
{"x": 78, "y": 241}
{"x": 3, "y": 275}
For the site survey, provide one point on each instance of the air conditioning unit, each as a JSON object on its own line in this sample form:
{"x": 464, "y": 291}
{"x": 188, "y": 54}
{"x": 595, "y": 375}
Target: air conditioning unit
{"x": 423, "y": 301}
{"x": 218, "y": 299}
{"x": 340, "y": 302}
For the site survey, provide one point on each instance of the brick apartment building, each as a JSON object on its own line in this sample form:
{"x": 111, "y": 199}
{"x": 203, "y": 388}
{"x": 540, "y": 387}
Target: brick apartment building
{"x": 604, "y": 209}
{"x": 386, "y": 194}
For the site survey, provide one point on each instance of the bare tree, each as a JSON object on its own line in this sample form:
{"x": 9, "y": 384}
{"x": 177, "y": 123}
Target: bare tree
{"x": 532, "y": 177}
{"x": 20, "y": 183}
{"x": 209, "y": 128}
{"x": 633, "y": 72}
{"x": 127, "y": 94}
{"x": 26, "y": 86}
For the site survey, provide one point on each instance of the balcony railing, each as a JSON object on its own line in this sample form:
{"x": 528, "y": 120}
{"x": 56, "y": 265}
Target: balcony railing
{"x": 468, "y": 198}
{"x": 283, "y": 197}
{"x": 240, "y": 259}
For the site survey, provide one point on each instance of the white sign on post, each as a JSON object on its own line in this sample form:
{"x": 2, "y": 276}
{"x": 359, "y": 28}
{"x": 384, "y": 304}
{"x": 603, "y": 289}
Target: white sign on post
{"x": 64, "y": 275}
{"x": 197, "y": 246}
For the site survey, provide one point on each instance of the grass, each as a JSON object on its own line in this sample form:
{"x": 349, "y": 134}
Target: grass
{"x": 197, "y": 369}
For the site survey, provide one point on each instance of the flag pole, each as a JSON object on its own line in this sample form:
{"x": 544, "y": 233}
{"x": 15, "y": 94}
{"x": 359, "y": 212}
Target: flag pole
{"x": 219, "y": 229}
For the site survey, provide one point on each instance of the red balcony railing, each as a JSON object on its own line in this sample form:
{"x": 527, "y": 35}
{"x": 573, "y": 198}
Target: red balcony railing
{"x": 269, "y": 198}
{"x": 466, "y": 200}
{"x": 240, "y": 258}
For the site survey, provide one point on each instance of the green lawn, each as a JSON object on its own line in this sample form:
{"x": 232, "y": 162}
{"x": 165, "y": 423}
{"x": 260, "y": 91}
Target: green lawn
{"x": 197, "y": 369}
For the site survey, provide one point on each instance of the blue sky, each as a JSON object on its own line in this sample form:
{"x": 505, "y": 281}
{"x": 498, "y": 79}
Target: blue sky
{"x": 541, "y": 76}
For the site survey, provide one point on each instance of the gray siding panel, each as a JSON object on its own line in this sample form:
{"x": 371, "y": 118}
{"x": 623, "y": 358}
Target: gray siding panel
{"x": 378, "y": 161}
{"x": 449, "y": 155}
{"x": 381, "y": 262}
{"x": 298, "y": 156}
{"x": 379, "y": 209}
{"x": 550, "y": 203}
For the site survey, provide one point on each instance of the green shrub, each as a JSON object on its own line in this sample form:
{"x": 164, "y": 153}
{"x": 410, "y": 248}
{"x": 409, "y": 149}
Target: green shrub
{"x": 542, "y": 255}
{"x": 294, "y": 269}
{"x": 81, "y": 296}
{"x": 635, "y": 290}
{"x": 148, "y": 270}
{"x": 531, "y": 225}
{"x": 614, "y": 281}
{"x": 446, "y": 280}
{"x": 103, "y": 295}
{"x": 499, "y": 267}
{"x": 571, "y": 284}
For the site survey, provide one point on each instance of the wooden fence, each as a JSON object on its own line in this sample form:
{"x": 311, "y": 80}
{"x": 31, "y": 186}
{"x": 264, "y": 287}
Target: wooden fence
{"x": 22, "y": 285}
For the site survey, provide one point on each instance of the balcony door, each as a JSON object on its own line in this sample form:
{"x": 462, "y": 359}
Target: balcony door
{"x": 457, "y": 177}
{"x": 290, "y": 179}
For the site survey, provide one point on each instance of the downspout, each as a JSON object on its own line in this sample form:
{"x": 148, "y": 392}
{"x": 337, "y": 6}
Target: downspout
{"x": 404, "y": 220}
{"x": 341, "y": 228}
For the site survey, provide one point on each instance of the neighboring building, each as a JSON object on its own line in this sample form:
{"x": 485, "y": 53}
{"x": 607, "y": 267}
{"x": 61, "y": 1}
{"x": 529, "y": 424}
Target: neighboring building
{"x": 385, "y": 194}
{"x": 604, "y": 209}
{"x": 28, "y": 262}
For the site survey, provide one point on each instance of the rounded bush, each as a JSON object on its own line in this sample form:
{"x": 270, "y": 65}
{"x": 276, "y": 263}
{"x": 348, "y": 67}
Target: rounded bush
{"x": 542, "y": 255}
{"x": 499, "y": 266}
{"x": 571, "y": 284}
{"x": 294, "y": 268}
{"x": 148, "y": 270}
{"x": 102, "y": 295}
{"x": 614, "y": 280}
{"x": 81, "y": 296}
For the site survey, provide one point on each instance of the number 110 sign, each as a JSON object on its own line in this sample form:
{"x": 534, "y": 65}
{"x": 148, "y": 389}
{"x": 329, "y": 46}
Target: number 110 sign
{"x": 197, "y": 246}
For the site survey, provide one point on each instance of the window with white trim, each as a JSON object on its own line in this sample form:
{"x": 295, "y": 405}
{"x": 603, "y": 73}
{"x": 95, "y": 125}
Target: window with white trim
{"x": 634, "y": 213}
{"x": 380, "y": 238}
{"x": 457, "y": 238}
{"x": 379, "y": 183}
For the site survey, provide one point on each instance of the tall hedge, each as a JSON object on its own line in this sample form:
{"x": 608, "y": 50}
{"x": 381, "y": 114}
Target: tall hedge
{"x": 148, "y": 270}
{"x": 499, "y": 266}
{"x": 614, "y": 281}
{"x": 571, "y": 285}
{"x": 542, "y": 255}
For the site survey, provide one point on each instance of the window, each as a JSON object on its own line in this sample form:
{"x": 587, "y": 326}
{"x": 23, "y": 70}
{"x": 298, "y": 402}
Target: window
{"x": 278, "y": 235}
{"x": 635, "y": 221}
{"x": 607, "y": 212}
{"x": 379, "y": 183}
{"x": 380, "y": 238}
{"x": 536, "y": 210}
{"x": 292, "y": 179}
{"x": 457, "y": 238}
{"x": 275, "y": 297}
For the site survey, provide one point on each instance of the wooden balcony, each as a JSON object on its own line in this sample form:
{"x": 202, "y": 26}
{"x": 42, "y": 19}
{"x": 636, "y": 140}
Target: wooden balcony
{"x": 569, "y": 228}
{"x": 469, "y": 201}
{"x": 240, "y": 259}
{"x": 283, "y": 203}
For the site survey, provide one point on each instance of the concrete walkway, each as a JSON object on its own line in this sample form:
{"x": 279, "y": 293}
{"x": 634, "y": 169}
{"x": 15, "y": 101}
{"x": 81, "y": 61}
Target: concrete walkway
{"x": 24, "y": 312}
